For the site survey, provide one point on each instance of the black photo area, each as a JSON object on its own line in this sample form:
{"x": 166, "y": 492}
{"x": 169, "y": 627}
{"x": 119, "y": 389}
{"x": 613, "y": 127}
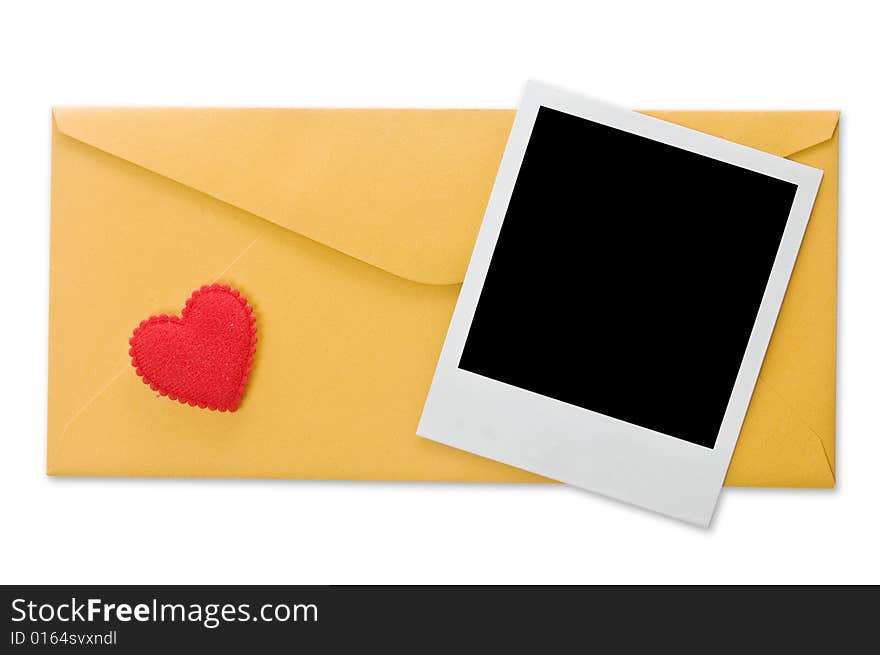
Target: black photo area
{"x": 627, "y": 276}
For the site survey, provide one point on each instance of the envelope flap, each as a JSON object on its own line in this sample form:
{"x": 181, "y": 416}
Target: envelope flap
{"x": 403, "y": 190}
{"x": 781, "y": 133}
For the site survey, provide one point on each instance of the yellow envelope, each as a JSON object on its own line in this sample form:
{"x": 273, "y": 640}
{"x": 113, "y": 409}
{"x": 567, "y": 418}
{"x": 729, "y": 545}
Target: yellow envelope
{"x": 349, "y": 231}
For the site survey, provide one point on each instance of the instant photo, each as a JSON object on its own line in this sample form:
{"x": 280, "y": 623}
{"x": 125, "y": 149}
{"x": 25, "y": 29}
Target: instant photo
{"x": 619, "y": 302}
{"x": 627, "y": 276}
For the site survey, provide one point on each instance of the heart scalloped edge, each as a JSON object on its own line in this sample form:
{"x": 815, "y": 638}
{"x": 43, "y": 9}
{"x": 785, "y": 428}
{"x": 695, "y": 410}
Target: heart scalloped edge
{"x": 165, "y": 318}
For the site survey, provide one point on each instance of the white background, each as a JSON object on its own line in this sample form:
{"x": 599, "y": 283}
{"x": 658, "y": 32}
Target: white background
{"x": 749, "y": 55}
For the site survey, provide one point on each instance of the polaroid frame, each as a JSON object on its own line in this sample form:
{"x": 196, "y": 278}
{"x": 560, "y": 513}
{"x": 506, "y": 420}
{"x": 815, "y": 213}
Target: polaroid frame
{"x": 578, "y": 446}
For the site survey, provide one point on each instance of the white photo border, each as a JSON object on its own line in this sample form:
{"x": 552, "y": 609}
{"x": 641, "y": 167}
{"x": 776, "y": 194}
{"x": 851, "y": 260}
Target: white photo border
{"x": 576, "y": 445}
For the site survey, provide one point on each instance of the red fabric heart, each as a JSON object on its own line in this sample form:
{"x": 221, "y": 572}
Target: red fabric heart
{"x": 202, "y": 358}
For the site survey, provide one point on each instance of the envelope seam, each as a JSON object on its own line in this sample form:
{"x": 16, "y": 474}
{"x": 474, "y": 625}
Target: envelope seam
{"x": 807, "y": 425}
{"x": 100, "y": 392}
{"x": 106, "y": 386}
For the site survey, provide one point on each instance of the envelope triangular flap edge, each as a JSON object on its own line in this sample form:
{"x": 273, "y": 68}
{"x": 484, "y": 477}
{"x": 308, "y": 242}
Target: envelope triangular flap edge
{"x": 403, "y": 190}
{"x": 781, "y": 133}
{"x": 400, "y": 189}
